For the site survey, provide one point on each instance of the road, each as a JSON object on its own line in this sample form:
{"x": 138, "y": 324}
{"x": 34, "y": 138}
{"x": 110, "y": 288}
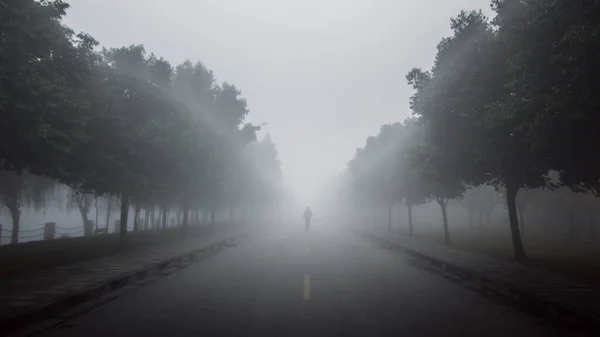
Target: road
{"x": 328, "y": 283}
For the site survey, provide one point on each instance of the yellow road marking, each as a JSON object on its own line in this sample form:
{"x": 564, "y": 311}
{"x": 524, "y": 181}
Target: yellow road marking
{"x": 306, "y": 295}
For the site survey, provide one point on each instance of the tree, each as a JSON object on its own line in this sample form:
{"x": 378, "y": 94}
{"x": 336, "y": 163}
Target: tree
{"x": 18, "y": 191}
{"x": 482, "y": 200}
{"x": 523, "y": 202}
{"x": 407, "y": 173}
{"x": 230, "y": 108}
{"x": 488, "y": 198}
{"x": 120, "y": 123}
{"x": 386, "y": 171}
{"x": 554, "y": 82}
{"x": 467, "y": 104}
{"x": 83, "y": 202}
{"x": 373, "y": 173}
{"x": 471, "y": 204}
{"x": 443, "y": 181}
{"x": 43, "y": 88}
{"x": 147, "y": 132}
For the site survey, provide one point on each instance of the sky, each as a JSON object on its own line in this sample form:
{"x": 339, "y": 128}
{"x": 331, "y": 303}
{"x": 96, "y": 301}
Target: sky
{"x": 324, "y": 74}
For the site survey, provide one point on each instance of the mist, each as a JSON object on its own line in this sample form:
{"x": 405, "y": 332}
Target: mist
{"x": 323, "y": 79}
{"x": 299, "y": 168}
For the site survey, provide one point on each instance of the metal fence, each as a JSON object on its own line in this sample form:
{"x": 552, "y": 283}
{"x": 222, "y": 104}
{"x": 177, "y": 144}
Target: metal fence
{"x": 51, "y": 231}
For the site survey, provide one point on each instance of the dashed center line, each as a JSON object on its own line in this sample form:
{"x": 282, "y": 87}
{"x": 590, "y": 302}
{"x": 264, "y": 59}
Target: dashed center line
{"x": 306, "y": 293}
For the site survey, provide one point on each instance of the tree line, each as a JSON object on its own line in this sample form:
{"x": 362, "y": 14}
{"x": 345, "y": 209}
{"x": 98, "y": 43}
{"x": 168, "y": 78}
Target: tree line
{"x": 120, "y": 122}
{"x": 510, "y": 102}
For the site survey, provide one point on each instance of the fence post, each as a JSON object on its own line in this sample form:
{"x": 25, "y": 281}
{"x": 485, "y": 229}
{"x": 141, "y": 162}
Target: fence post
{"x": 49, "y": 230}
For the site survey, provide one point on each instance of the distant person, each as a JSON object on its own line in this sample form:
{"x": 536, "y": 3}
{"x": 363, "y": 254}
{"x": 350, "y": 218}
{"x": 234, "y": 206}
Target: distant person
{"x": 307, "y": 216}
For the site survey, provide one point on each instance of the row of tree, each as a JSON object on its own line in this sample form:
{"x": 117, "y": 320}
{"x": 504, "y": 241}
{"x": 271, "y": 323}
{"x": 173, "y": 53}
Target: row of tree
{"x": 120, "y": 122}
{"x": 507, "y": 102}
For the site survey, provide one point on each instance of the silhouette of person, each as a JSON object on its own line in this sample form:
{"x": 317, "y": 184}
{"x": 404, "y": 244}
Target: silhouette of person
{"x": 307, "y": 216}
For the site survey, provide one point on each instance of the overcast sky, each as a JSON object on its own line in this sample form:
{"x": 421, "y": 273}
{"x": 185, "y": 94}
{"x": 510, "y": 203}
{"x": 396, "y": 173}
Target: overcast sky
{"x": 324, "y": 74}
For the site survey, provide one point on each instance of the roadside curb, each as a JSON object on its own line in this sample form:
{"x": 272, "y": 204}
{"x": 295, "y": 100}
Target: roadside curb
{"x": 559, "y": 313}
{"x": 22, "y": 322}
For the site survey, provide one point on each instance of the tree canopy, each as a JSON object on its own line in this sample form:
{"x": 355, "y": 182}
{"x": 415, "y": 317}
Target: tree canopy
{"x": 506, "y": 102}
{"x": 122, "y": 121}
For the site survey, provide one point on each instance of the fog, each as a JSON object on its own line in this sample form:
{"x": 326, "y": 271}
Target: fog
{"x": 323, "y": 74}
{"x": 320, "y": 78}
{"x": 299, "y": 168}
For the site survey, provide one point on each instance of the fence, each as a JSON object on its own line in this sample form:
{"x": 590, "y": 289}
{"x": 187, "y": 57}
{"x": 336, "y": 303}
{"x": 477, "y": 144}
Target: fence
{"x": 50, "y": 231}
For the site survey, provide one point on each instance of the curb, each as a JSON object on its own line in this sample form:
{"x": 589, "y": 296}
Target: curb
{"x": 557, "y": 312}
{"x": 23, "y": 320}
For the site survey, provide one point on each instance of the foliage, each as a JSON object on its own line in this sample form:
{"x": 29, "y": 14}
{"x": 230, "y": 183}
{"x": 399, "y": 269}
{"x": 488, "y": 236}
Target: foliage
{"x": 506, "y": 102}
{"x": 464, "y": 101}
{"x": 20, "y": 190}
{"x": 398, "y": 165}
{"x": 482, "y": 200}
{"x": 121, "y": 122}
{"x": 45, "y": 70}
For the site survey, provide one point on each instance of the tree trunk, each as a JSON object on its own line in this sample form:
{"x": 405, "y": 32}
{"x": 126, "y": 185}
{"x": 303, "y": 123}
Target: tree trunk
{"x": 108, "y": 213}
{"x": 15, "y": 214}
{"x": 390, "y": 207}
{"x": 186, "y": 214}
{"x": 84, "y": 205}
{"x": 164, "y": 217}
{"x": 160, "y": 216}
{"x": 146, "y": 218}
{"x": 96, "y": 212}
{"x": 178, "y": 217}
{"x": 442, "y": 204}
{"x": 136, "y": 218}
{"x": 480, "y": 216}
{"x": 87, "y": 229}
{"x": 591, "y": 224}
{"x": 410, "y": 222}
{"x": 511, "y": 195}
{"x": 212, "y": 217}
{"x": 124, "y": 215}
{"x": 153, "y": 217}
{"x": 157, "y": 221}
{"x": 231, "y": 214}
{"x": 521, "y": 222}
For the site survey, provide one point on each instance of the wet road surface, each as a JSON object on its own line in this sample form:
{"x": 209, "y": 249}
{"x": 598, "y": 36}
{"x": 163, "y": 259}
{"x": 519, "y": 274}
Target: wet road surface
{"x": 328, "y": 283}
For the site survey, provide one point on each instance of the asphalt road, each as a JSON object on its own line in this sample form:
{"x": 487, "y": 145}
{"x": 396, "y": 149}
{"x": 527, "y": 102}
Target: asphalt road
{"x": 298, "y": 284}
